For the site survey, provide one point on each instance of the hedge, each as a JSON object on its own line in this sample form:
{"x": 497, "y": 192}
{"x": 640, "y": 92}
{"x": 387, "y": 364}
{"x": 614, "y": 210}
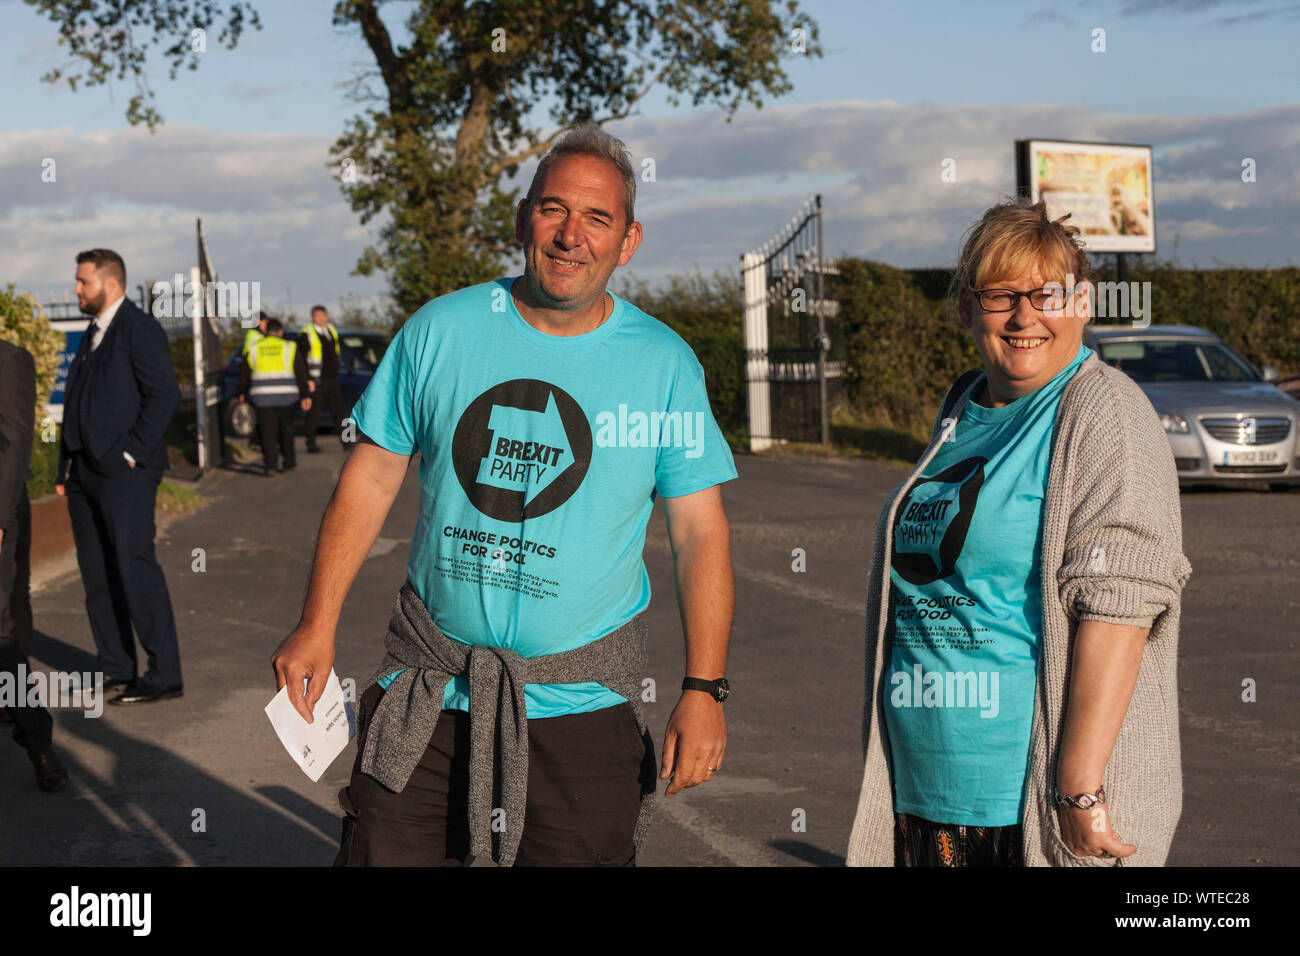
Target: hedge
{"x": 903, "y": 347}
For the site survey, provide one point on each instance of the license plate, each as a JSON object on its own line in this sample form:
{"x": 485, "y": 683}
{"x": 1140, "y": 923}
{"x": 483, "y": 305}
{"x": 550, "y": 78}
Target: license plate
{"x": 1252, "y": 457}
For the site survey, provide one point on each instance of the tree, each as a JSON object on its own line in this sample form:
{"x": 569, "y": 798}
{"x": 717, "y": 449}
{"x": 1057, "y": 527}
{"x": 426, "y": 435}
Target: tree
{"x": 22, "y": 322}
{"x": 458, "y": 102}
{"x": 112, "y": 38}
{"x": 456, "y": 108}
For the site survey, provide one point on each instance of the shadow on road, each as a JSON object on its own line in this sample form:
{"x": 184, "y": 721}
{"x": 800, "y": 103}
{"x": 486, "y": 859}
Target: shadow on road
{"x": 132, "y": 802}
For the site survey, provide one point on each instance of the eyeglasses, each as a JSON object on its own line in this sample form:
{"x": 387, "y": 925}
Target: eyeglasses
{"x": 1005, "y": 300}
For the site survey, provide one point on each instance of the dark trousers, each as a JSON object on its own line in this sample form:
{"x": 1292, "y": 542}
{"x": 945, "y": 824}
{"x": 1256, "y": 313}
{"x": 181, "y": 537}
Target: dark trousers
{"x": 33, "y": 727}
{"x": 20, "y": 600}
{"x": 276, "y": 426}
{"x": 586, "y": 774}
{"x": 113, "y": 524}
{"x": 920, "y": 842}
{"x": 329, "y": 395}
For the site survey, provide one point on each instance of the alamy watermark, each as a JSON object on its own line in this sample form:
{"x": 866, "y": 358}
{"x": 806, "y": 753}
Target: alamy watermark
{"x": 180, "y": 297}
{"x": 921, "y": 688}
{"x": 651, "y": 430}
{"x": 1107, "y": 300}
{"x": 82, "y": 691}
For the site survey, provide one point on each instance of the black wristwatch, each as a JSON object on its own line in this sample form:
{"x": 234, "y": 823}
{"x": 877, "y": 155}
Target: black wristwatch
{"x": 717, "y": 689}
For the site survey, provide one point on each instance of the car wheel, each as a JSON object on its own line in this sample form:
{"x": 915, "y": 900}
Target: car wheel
{"x": 242, "y": 418}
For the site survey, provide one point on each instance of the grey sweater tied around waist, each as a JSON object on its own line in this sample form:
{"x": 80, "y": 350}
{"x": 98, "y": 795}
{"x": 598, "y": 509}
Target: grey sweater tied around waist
{"x": 395, "y": 737}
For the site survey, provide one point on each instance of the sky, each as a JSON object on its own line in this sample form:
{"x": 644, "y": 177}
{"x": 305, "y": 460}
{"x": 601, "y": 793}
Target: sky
{"x": 901, "y": 88}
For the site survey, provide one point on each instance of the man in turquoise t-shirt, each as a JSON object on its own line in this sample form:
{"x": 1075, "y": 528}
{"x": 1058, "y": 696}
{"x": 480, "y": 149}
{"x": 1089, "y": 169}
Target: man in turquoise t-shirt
{"x": 548, "y": 414}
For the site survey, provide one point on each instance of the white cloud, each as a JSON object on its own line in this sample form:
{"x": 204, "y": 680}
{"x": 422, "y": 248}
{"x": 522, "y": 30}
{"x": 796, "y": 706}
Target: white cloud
{"x": 272, "y": 210}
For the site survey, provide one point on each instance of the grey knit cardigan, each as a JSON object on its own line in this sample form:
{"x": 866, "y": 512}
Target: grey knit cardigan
{"x": 1111, "y": 551}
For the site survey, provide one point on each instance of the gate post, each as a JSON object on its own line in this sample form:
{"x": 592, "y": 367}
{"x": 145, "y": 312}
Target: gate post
{"x": 753, "y": 272}
{"x": 200, "y": 378}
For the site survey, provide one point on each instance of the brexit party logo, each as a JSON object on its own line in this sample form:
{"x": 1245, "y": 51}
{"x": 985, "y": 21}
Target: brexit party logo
{"x": 932, "y": 521}
{"x": 521, "y": 449}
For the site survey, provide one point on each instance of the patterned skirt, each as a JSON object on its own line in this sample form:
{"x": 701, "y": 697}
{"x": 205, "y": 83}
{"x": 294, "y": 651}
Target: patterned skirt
{"x": 919, "y": 842}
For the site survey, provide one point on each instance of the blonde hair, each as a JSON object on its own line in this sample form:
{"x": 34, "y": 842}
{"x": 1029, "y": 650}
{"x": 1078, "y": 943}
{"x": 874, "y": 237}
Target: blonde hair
{"x": 1014, "y": 238}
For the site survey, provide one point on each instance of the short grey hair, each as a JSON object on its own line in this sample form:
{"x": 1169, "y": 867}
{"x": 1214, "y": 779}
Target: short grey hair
{"x": 588, "y": 139}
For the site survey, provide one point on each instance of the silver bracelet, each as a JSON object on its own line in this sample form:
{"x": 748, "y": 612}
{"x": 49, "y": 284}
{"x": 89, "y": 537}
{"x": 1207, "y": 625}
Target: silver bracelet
{"x": 1080, "y": 801}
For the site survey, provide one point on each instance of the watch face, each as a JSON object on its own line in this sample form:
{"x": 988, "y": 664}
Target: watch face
{"x": 723, "y": 689}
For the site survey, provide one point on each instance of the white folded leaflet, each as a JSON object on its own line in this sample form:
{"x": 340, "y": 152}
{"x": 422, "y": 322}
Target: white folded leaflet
{"x": 314, "y": 746}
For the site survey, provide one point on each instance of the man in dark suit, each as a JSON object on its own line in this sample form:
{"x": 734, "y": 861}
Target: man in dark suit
{"x": 33, "y": 727}
{"x": 120, "y": 396}
{"x": 319, "y": 344}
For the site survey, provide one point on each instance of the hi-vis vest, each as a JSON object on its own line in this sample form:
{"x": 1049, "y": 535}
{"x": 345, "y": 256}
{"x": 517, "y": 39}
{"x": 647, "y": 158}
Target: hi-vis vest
{"x": 315, "y": 353}
{"x": 251, "y": 338}
{"x": 270, "y": 364}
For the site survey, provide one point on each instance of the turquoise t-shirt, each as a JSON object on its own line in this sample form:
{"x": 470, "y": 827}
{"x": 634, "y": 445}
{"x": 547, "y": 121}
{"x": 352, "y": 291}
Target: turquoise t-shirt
{"x": 967, "y": 604}
{"x": 540, "y": 457}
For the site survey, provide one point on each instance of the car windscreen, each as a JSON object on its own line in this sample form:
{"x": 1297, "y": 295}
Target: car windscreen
{"x": 1153, "y": 360}
{"x": 362, "y": 352}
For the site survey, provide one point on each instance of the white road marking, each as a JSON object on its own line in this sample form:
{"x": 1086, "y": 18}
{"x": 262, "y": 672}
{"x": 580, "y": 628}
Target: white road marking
{"x": 159, "y": 834}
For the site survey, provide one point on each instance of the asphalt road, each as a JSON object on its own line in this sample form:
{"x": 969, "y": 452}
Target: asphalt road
{"x": 203, "y": 781}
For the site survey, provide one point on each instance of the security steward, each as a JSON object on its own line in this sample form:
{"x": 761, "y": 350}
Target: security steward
{"x": 255, "y": 334}
{"x": 273, "y": 379}
{"x": 252, "y": 337}
{"x": 320, "y": 341}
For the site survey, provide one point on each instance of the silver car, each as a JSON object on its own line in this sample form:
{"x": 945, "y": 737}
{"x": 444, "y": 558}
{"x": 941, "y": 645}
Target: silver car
{"x": 1225, "y": 422}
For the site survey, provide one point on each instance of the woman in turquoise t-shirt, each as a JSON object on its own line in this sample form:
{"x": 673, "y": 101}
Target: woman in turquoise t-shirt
{"x": 964, "y": 632}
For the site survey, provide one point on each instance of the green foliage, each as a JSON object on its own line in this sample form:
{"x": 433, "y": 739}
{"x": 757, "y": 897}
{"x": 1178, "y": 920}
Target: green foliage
{"x": 458, "y": 104}
{"x": 706, "y": 311}
{"x": 457, "y": 108}
{"x": 44, "y": 465}
{"x": 23, "y": 323}
{"x": 174, "y": 499}
{"x": 903, "y": 347}
{"x": 111, "y": 39}
{"x": 181, "y": 348}
{"x": 1256, "y": 311}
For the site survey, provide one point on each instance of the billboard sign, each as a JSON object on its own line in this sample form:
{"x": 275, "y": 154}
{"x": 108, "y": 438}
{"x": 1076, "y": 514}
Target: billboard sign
{"x": 1105, "y": 187}
{"x": 72, "y": 330}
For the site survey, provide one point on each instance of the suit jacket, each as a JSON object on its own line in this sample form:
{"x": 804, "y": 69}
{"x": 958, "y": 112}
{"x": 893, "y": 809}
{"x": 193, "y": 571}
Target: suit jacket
{"x": 17, "y": 424}
{"x": 121, "y": 396}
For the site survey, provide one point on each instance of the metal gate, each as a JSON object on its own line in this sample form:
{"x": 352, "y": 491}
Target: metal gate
{"x": 790, "y": 331}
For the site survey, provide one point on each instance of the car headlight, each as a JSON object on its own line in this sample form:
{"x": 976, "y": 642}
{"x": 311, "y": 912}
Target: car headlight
{"x": 1174, "y": 423}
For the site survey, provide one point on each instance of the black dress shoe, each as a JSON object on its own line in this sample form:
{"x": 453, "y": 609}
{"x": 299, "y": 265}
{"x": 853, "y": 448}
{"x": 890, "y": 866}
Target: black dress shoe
{"x": 50, "y": 775}
{"x": 144, "y": 692}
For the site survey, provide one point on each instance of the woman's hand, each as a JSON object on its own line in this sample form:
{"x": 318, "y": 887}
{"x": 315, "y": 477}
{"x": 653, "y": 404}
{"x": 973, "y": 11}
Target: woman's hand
{"x": 1089, "y": 833}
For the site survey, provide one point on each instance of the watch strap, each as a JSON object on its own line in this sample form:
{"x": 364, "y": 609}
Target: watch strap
{"x": 717, "y": 689}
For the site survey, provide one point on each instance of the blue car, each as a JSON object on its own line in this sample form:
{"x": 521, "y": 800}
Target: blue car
{"x": 359, "y": 353}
